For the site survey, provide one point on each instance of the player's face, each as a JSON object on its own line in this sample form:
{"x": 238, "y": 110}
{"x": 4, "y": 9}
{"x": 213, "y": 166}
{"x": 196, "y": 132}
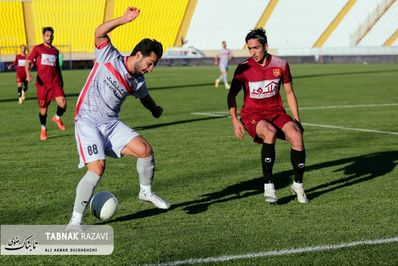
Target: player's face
{"x": 23, "y": 49}
{"x": 48, "y": 37}
{"x": 145, "y": 64}
{"x": 257, "y": 50}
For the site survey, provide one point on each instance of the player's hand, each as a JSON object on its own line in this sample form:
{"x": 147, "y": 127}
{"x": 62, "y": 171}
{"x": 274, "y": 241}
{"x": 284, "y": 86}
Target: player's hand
{"x": 130, "y": 14}
{"x": 239, "y": 130}
{"x": 157, "y": 111}
{"x": 300, "y": 126}
{"x": 29, "y": 78}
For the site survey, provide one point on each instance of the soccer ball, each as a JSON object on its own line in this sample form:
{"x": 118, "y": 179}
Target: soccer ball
{"x": 104, "y": 205}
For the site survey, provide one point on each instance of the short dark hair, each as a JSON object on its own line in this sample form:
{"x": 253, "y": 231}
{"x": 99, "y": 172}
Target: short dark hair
{"x": 147, "y": 46}
{"x": 259, "y": 34}
{"x": 50, "y": 29}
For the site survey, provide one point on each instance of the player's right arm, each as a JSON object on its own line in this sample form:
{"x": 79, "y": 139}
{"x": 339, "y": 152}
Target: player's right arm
{"x": 101, "y": 33}
{"x": 13, "y": 64}
{"x": 239, "y": 130}
{"x": 29, "y": 63}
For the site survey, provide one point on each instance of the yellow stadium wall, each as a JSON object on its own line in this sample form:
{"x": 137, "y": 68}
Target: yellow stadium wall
{"x": 160, "y": 20}
{"x": 12, "y": 30}
{"x": 74, "y": 22}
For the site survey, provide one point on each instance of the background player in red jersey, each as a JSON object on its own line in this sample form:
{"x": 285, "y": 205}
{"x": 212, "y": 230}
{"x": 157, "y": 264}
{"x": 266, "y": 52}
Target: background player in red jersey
{"x": 263, "y": 115}
{"x": 20, "y": 63}
{"x": 49, "y": 82}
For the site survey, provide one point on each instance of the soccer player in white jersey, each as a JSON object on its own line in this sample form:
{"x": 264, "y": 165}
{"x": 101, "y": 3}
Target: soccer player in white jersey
{"x": 98, "y": 129}
{"x": 222, "y": 60}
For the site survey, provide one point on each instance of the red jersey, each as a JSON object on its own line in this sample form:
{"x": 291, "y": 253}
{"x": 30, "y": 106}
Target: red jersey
{"x": 46, "y": 59}
{"x": 20, "y": 63}
{"x": 261, "y": 84}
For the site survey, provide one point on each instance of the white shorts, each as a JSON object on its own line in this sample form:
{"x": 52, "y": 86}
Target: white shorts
{"x": 223, "y": 68}
{"x": 94, "y": 142}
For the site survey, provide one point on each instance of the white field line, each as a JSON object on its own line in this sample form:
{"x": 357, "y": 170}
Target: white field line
{"x": 212, "y": 114}
{"x": 352, "y": 129}
{"x": 347, "y": 106}
{"x": 225, "y": 113}
{"x": 283, "y": 252}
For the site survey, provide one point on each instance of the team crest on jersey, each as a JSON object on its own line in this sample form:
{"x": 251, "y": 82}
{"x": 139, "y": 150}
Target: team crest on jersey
{"x": 276, "y": 72}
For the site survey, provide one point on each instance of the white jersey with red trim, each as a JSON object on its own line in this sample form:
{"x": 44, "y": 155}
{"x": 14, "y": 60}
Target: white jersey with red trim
{"x": 107, "y": 86}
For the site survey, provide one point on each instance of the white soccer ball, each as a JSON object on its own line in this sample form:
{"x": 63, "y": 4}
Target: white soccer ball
{"x": 104, "y": 205}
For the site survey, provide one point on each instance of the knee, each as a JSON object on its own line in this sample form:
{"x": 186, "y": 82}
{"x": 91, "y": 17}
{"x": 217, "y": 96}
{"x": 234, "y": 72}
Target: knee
{"x": 296, "y": 141}
{"x": 267, "y": 133}
{"x": 144, "y": 150}
{"x": 97, "y": 167}
{"x": 63, "y": 104}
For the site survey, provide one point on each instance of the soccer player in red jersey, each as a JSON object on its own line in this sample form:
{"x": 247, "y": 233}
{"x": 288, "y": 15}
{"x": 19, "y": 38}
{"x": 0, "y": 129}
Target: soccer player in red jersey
{"x": 19, "y": 63}
{"x": 263, "y": 115}
{"x": 49, "y": 82}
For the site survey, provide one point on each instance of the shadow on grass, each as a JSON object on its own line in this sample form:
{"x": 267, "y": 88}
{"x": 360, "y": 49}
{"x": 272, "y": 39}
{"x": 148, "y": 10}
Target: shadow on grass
{"x": 141, "y": 128}
{"x": 353, "y": 170}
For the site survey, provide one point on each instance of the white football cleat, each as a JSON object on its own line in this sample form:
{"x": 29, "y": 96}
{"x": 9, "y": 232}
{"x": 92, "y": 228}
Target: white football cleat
{"x": 297, "y": 188}
{"x": 216, "y": 83}
{"x": 269, "y": 193}
{"x": 155, "y": 199}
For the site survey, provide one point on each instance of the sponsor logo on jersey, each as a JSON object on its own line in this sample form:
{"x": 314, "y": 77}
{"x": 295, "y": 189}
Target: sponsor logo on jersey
{"x": 21, "y": 62}
{"x": 48, "y": 59}
{"x": 115, "y": 87}
{"x": 263, "y": 89}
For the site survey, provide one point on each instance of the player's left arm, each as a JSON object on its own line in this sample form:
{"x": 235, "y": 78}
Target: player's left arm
{"x": 101, "y": 33}
{"x": 292, "y": 100}
{"x": 151, "y": 105}
{"x": 58, "y": 68}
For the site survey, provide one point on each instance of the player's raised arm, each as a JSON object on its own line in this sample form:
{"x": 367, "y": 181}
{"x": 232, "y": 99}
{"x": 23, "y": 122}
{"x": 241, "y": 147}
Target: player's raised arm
{"x": 101, "y": 33}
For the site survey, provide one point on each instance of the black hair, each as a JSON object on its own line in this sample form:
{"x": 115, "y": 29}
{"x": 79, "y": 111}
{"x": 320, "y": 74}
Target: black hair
{"x": 259, "y": 34}
{"x": 147, "y": 46}
{"x": 50, "y": 29}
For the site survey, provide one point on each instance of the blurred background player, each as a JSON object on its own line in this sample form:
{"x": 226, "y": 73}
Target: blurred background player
{"x": 20, "y": 63}
{"x": 263, "y": 115}
{"x": 49, "y": 82}
{"x": 222, "y": 60}
{"x": 98, "y": 129}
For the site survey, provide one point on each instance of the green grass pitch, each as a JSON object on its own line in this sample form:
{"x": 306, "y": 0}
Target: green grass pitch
{"x": 212, "y": 179}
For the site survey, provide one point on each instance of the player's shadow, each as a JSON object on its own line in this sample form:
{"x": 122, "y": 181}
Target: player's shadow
{"x": 353, "y": 170}
{"x": 141, "y": 128}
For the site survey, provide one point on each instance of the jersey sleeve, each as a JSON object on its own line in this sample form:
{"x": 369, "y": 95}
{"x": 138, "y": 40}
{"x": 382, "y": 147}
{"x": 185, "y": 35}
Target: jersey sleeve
{"x": 33, "y": 54}
{"x": 141, "y": 90}
{"x": 287, "y": 76}
{"x": 106, "y": 52}
{"x": 239, "y": 79}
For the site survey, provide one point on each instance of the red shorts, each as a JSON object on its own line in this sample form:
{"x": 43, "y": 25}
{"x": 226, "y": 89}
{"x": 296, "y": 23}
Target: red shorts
{"x": 46, "y": 93}
{"x": 278, "y": 120}
{"x": 21, "y": 75}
